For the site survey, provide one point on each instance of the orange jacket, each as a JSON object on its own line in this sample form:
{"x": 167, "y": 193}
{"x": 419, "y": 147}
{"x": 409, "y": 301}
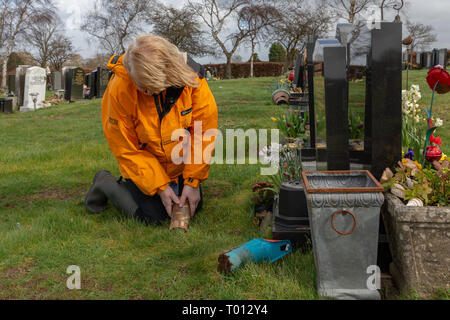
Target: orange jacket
{"x": 139, "y": 127}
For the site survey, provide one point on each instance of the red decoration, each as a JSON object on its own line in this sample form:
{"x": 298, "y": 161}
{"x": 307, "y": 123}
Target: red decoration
{"x": 436, "y": 140}
{"x": 438, "y": 74}
{"x": 433, "y": 154}
{"x": 291, "y": 77}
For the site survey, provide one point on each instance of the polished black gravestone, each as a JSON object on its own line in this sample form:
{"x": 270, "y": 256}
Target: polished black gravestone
{"x": 102, "y": 81}
{"x": 385, "y": 105}
{"x": 93, "y": 84}
{"x": 309, "y": 152}
{"x": 74, "y": 81}
{"x": 300, "y": 72}
{"x": 336, "y": 108}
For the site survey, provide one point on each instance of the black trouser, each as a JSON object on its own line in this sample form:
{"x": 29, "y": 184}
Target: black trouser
{"x": 151, "y": 209}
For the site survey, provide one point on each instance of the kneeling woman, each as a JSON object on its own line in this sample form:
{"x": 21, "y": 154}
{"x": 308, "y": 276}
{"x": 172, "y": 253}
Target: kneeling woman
{"x": 154, "y": 90}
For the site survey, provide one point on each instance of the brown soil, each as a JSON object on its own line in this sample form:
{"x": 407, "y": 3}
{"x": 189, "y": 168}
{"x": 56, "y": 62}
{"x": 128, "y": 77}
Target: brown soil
{"x": 224, "y": 264}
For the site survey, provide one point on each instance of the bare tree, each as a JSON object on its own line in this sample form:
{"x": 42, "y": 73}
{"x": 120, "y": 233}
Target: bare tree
{"x": 423, "y": 35}
{"x": 220, "y": 16}
{"x": 61, "y": 51}
{"x": 299, "y": 20}
{"x": 41, "y": 35}
{"x": 15, "y": 17}
{"x": 254, "y": 19}
{"x": 181, "y": 27}
{"x": 113, "y": 23}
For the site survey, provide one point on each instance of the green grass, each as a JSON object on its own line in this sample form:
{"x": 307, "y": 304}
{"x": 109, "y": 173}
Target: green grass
{"x": 47, "y": 161}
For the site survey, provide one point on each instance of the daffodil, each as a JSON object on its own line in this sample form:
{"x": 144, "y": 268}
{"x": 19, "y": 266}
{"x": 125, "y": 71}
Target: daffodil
{"x": 274, "y": 119}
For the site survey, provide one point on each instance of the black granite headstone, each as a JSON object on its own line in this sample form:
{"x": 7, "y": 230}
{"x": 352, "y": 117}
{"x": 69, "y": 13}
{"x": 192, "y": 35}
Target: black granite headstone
{"x": 299, "y": 72}
{"x": 74, "y": 81}
{"x": 386, "y": 96}
{"x": 93, "y": 84}
{"x": 434, "y": 57}
{"x": 336, "y": 108}
{"x": 310, "y": 66}
{"x": 102, "y": 81}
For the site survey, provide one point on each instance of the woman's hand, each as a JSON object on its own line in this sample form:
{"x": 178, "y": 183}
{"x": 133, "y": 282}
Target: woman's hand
{"x": 167, "y": 198}
{"x": 192, "y": 195}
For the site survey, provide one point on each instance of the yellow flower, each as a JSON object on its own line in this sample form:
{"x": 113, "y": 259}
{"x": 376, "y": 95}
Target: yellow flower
{"x": 418, "y": 164}
{"x": 274, "y": 119}
{"x": 444, "y": 157}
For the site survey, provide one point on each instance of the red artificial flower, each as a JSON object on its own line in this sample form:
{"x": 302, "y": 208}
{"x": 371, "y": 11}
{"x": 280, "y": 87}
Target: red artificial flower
{"x": 433, "y": 154}
{"x": 436, "y": 140}
{"x": 439, "y": 75}
{"x": 291, "y": 77}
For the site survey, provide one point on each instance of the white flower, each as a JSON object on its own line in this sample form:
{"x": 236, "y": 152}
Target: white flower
{"x": 415, "y": 87}
{"x": 439, "y": 122}
{"x": 417, "y": 119}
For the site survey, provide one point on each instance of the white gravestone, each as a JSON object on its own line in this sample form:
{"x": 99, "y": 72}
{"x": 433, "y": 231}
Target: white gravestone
{"x": 34, "y": 91}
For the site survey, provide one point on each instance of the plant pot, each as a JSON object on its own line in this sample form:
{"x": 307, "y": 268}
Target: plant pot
{"x": 344, "y": 213}
{"x": 280, "y": 96}
{"x": 419, "y": 239}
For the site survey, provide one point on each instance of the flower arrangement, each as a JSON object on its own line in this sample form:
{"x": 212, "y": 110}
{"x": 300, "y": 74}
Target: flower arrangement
{"x": 292, "y": 124}
{"x": 289, "y": 163}
{"x": 419, "y": 186}
{"x": 414, "y": 129}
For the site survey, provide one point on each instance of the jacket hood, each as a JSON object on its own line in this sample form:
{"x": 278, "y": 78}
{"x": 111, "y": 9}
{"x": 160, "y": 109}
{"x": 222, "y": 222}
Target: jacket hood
{"x": 115, "y": 64}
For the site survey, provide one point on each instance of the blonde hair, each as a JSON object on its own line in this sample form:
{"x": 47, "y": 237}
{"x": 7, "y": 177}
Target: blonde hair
{"x": 155, "y": 64}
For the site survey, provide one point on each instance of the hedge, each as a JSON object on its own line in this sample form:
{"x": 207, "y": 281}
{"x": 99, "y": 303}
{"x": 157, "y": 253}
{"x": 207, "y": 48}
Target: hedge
{"x": 242, "y": 70}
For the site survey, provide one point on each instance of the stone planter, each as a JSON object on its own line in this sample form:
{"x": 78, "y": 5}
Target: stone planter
{"x": 419, "y": 239}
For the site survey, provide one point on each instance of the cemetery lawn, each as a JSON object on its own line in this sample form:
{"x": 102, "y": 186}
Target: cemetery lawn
{"x": 47, "y": 161}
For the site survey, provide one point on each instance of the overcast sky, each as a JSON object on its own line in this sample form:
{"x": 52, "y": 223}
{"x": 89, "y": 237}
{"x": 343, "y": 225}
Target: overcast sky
{"x": 433, "y": 12}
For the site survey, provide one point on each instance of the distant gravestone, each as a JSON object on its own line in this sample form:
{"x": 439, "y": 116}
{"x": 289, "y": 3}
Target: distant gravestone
{"x": 435, "y": 57}
{"x": 93, "y": 84}
{"x": 74, "y": 80}
{"x": 443, "y": 57}
{"x": 102, "y": 81}
{"x": 20, "y": 83}
{"x": 57, "y": 80}
{"x": 11, "y": 84}
{"x": 34, "y": 91}
{"x": 428, "y": 60}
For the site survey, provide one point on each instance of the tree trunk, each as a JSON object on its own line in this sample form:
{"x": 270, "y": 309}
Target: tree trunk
{"x": 252, "y": 60}
{"x": 4, "y": 70}
{"x": 229, "y": 66}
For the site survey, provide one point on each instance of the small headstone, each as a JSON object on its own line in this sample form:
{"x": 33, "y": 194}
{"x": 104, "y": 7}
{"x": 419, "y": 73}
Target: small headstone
{"x": 428, "y": 60}
{"x": 20, "y": 83}
{"x": 56, "y": 80}
{"x": 34, "y": 92}
{"x": 443, "y": 57}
